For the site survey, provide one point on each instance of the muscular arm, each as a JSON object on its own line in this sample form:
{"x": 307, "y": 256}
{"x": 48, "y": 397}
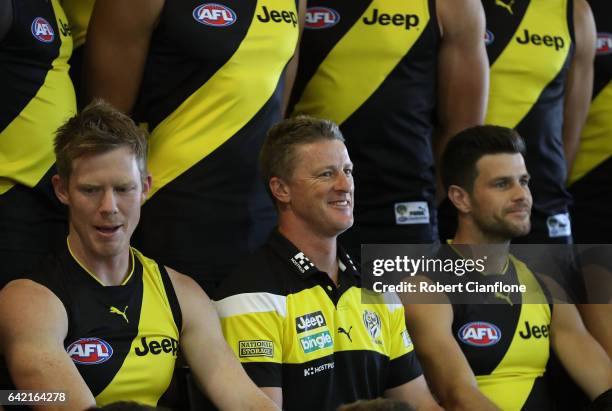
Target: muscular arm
{"x": 291, "y": 69}
{"x": 596, "y": 318}
{"x": 33, "y": 325}
{"x": 579, "y": 84}
{"x": 446, "y": 368}
{"x": 415, "y": 393}
{"x": 116, "y": 50}
{"x": 210, "y": 359}
{"x": 463, "y": 69}
{"x": 589, "y": 366}
{"x": 6, "y": 17}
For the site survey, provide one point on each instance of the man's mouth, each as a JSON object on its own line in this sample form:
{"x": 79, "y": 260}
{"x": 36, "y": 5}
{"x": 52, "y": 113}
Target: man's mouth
{"x": 108, "y": 229}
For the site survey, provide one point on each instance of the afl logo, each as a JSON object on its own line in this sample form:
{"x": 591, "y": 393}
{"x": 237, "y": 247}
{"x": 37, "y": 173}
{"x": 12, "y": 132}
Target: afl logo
{"x": 42, "y": 30}
{"x": 604, "y": 43}
{"x": 212, "y": 14}
{"x": 479, "y": 334}
{"x": 90, "y": 351}
{"x": 489, "y": 38}
{"x": 321, "y": 18}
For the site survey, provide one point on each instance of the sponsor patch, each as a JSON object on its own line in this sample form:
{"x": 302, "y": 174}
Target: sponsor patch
{"x": 372, "y": 323}
{"x": 415, "y": 212}
{"x": 42, "y": 30}
{"x": 89, "y": 351}
{"x": 255, "y": 348}
{"x": 309, "y": 322}
{"x": 559, "y": 225}
{"x": 604, "y": 44}
{"x": 321, "y": 18}
{"x": 489, "y": 37}
{"x": 315, "y": 370}
{"x": 479, "y": 334}
{"x": 316, "y": 342}
{"x": 213, "y": 14}
{"x": 406, "y": 339}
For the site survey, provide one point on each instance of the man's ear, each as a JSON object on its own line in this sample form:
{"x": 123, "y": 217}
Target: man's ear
{"x": 61, "y": 189}
{"x": 146, "y": 187}
{"x": 280, "y": 190}
{"x": 460, "y": 199}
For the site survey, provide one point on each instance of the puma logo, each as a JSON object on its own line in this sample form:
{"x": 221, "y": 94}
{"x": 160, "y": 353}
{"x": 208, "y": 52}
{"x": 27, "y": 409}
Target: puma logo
{"x": 117, "y": 311}
{"x": 347, "y": 333}
{"x": 503, "y": 297}
{"x": 507, "y": 6}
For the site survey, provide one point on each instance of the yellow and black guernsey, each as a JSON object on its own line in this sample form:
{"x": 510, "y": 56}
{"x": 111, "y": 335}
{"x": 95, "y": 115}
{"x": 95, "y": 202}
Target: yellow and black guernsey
{"x": 505, "y": 337}
{"x": 591, "y": 177}
{"x": 78, "y": 13}
{"x": 530, "y": 46}
{"x": 291, "y": 327}
{"x": 123, "y": 339}
{"x": 37, "y": 97}
{"x": 212, "y": 87}
{"x": 371, "y": 66}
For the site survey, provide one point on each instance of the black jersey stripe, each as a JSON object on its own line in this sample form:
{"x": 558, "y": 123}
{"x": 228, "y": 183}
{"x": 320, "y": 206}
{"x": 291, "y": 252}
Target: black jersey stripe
{"x": 172, "y": 298}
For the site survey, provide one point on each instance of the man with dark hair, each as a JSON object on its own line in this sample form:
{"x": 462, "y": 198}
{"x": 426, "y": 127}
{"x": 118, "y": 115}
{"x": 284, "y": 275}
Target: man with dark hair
{"x": 98, "y": 319}
{"x": 485, "y": 175}
{"x": 293, "y": 312}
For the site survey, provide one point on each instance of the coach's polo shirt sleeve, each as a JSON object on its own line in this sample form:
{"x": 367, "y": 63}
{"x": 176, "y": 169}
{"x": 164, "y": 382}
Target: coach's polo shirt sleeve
{"x": 252, "y": 324}
{"x": 404, "y": 365}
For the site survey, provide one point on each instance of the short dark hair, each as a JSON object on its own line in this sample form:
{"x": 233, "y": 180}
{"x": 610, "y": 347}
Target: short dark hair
{"x": 465, "y": 149}
{"x": 277, "y": 156}
{"x": 97, "y": 129}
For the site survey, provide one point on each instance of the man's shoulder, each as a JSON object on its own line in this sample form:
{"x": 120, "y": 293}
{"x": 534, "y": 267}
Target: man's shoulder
{"x": 261, "y": 272}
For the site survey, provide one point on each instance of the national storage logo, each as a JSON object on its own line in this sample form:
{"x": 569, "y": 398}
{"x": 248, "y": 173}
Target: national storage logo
{"x": 316, "y": 342}
{"x": 309, "y": 322}
{"x": 255, "y": 348}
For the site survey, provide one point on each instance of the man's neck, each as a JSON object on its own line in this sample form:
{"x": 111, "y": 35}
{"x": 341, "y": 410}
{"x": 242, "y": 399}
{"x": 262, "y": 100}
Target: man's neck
{"x": 321, "y": 250}
{"x": 495, "y": 250}
{"x": 108, "y": 271}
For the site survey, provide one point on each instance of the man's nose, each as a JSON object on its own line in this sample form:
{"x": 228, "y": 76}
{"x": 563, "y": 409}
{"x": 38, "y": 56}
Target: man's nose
{"x": 108, "y": 203}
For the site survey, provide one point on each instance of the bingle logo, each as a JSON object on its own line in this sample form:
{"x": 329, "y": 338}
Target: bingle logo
{"x": 479, "y": 334}
{"x": 42, "y": 30}
{"x": 216, "y": 15}
{"x": 604, "y": 44}
{"x": 321, "y": 18}
{"x": 489, "y": 38}
{"x": 90, "y": 351}
{"x": 309, "y": 322}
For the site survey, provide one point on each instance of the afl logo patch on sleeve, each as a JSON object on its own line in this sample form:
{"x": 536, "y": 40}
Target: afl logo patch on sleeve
{"x": 42, "y": 30}
{"x": 89, "y": 351}
{"x": 216, "y": 15}
{"x": 604, "y": 44}
{"x": 479, "y": 334}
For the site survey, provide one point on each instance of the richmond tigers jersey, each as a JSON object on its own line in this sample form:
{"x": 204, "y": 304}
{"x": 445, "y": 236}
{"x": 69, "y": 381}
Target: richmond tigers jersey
{"x": 122, "y": 339}
{"x": 291, "y": 327}
{"x": 529, "y": 44}
{"x": 211, "y": 89}
{"x": 594, "y": 160}
{"x": 37, "y": 94}
{"x": 371, "y": 66}
{"x": 78, "y": 13}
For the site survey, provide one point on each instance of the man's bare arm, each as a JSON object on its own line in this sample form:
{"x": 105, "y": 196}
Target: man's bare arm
{"x": 117, "y": 45}
{"x": 291, "y": 69}
{"x": 463, "y": 67}
{"x": 33, "y": 325}
{"x": 215, "y": 369}
{"x": 416, "y": 393}
{"x": 579, "y": 84}
{"x": 590, "y": 367}
{"x": 447, "y": 371}
{"x": 598, "y": 320}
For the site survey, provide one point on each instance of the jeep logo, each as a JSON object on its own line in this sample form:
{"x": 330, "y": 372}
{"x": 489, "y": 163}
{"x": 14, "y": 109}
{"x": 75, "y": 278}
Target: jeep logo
{"x": 537, "y": 40}
{"x": 278, "y": 16}
{"x": 384, "y": 19}
{"x": 535, "y": 331}
{"x": 309, "y": 322}
{"x": 167, "y": 345}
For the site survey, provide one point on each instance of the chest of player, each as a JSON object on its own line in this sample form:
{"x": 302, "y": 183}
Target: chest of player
{"x": 213, "y": 31}
{"x": 37, "y": 32}
{"x": 317, "y": 328}
{"x": 499, "y": 338}
{"x": 116, "y": 341}
{"x": 526, "y": 33}
{"x": 382, "y": 28}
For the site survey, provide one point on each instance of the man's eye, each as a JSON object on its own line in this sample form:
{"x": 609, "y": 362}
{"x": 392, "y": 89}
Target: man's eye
{"x": 348, "y": 171}
{"x": 326, "y": 174}
{"x": 89, "y": 190}
{"x": 525, "y": 182}
{"x": 501, "y": 184}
